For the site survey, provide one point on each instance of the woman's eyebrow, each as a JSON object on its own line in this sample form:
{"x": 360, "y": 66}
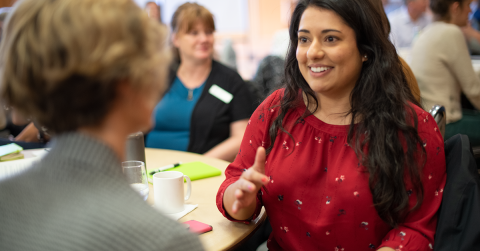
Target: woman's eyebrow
{"x": 323, "y": 31}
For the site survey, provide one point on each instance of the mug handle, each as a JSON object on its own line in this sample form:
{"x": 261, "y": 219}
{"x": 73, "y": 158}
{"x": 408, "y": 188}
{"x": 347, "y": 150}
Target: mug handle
{"x": 189, "y": 187}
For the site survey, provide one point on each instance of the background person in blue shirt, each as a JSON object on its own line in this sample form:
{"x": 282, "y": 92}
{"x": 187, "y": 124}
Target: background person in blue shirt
{"x": 207, "y": 106}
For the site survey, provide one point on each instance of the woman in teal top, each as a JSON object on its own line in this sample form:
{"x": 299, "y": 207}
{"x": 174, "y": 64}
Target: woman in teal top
{"x": 172, "y": 126}
{"x": 207, "y": 107}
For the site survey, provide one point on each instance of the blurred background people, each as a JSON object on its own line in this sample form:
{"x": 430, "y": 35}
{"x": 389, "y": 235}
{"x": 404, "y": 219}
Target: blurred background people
{"x": 407, "y": 22}
{"x": 443, "y": 68}
{"x": 270, "y": 72}
{"x": 227, "y": 55}
{"x": 391, "y": 5}
{"x": 207, "y": 105}
{"x": 91, "y": 92}
{"x": 154, "y": 11}
{"x": 471, "y": 30}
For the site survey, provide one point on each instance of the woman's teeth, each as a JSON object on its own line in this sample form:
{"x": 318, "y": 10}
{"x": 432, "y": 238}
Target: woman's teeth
{"x": 320, "y": 69}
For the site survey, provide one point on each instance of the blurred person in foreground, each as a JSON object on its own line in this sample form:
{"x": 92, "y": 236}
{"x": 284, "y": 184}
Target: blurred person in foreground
{"x": 91, "y": 91}
{"x": 17, "y": 129}
{"x": 408, "y": 21}
{"x": 443, "y": 68}
{"x": 353, "y": 162}
{"x": 207, "y": 105}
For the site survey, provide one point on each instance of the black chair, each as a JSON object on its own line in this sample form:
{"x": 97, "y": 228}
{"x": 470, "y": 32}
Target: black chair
{"x": 438, "y": 113}
{"x": 270, "y": 75}
{"x": 466, "y": 104}
{"x": 476, "y": 154}
{"x": 458, "y": 226}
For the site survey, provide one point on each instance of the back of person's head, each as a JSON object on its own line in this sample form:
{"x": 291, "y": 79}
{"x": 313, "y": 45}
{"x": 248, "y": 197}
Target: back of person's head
{"x": 62, "y": 60}
{"x": 441, "y": 8}
{"x": 380, "y": 105}
{"x": 189, "y": 14}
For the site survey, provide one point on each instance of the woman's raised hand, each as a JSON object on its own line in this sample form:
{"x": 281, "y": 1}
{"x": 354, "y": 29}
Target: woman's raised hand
{"x": 246, "y": 188}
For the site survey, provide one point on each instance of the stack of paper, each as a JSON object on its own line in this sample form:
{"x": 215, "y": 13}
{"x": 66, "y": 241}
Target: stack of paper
{"x": 10, "y": 152}
{"x": 12, "y": 168}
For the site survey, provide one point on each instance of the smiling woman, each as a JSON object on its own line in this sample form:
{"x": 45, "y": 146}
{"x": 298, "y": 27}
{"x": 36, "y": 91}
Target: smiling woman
{"x": 328, "y": 57}
{"x": 207, "y": 106}
{"x": 351, "y": 161}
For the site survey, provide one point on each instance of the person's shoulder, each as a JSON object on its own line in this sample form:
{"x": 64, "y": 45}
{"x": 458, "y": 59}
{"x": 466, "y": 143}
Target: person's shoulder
{"x": 438, "y": 38}
{"x": 426, "y": 122}
{"x": 445, "y": 30}
{"x": 274, "y": 98}
{"x": 418, "y": 110}
{"x": 23, "y": 186}
{"x": 272, "y": 102}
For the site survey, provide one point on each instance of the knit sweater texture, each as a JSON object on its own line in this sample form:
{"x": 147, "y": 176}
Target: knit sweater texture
{"x": 77, "y": 198}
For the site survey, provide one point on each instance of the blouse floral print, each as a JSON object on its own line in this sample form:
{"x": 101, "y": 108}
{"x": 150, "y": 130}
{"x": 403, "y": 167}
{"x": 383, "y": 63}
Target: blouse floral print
{"x": 318, "y": 197}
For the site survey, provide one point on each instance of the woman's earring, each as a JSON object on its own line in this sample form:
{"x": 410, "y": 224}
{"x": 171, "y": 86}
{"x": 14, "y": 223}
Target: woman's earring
{"x": 365, "y": 58}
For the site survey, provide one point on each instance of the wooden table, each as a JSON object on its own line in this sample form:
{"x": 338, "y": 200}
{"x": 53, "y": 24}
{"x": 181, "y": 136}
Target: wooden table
{"x": 225, "y": 234}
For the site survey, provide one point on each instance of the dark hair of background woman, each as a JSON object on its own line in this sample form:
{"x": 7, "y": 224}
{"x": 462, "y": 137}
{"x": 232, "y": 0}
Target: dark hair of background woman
{"x": 380, "y": 100}
{"x": 441, "y": 8}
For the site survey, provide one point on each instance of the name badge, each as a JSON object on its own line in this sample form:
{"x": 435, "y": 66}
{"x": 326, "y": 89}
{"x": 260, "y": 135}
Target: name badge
{"x": 221, "y": 94}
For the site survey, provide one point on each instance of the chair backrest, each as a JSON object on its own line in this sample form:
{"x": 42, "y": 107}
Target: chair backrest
{"x": 440, "y": 116}
{"x": 458, "y": 226}
{"x": 270, "y": 74}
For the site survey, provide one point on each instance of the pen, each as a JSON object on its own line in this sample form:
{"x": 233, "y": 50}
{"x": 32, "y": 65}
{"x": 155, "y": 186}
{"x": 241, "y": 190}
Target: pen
{"x": 163, "y": 168}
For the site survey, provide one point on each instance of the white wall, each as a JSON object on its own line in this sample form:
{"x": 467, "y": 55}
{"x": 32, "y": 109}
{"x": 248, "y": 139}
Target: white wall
{"x": 230, "y": 15}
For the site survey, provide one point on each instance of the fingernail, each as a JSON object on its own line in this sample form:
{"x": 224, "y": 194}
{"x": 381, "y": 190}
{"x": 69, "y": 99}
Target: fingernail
{"x": 250, "y": 187}
{"x": 264, "y": 179}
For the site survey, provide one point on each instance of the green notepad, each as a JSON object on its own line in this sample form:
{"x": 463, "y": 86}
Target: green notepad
{"x": 10, "y": 148}
{"x": 194, "y": 170}
{"x": 11, "y": 156}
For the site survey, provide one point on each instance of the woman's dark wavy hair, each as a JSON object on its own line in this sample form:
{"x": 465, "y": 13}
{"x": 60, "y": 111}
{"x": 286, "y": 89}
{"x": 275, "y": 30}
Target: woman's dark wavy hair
{"x": 388, "y": 143}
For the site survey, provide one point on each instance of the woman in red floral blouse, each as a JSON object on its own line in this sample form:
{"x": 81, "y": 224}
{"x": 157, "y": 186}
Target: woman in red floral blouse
{"x": 351, "y": 162}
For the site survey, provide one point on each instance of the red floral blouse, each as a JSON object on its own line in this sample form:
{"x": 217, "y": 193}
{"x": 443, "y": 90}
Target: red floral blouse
{"x": 318, "y": 197}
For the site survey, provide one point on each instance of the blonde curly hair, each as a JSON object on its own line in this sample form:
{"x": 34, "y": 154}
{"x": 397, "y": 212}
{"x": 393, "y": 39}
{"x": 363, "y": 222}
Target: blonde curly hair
{"x": 61, "y": 60}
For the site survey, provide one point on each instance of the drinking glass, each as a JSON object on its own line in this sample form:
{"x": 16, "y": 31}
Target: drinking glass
{"x": 137, "y": 176}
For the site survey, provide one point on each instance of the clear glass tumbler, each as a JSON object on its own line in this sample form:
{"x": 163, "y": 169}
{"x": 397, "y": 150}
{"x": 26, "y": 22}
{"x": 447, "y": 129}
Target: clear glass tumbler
{"x": 137, "y": 176}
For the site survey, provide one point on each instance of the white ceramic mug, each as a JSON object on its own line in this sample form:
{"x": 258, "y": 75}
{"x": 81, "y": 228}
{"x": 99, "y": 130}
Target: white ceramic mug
{"x": 169, "y": 193}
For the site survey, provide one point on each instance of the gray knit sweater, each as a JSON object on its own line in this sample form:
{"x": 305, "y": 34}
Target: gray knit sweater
{"x": 77, "y": 198}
